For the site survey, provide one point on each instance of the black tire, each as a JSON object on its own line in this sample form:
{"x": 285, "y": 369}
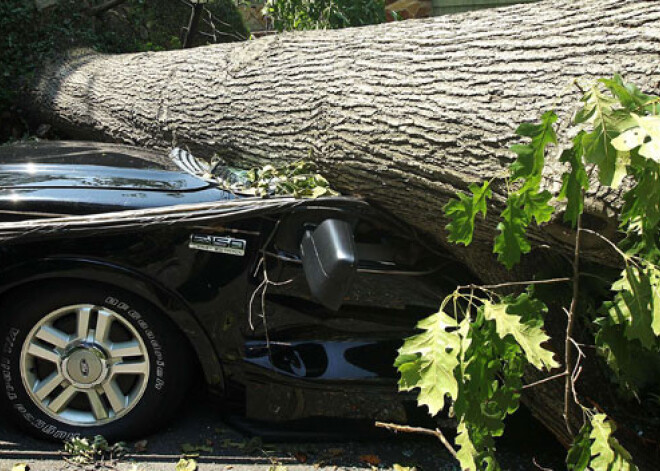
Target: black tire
{"x": 168, "y": 357}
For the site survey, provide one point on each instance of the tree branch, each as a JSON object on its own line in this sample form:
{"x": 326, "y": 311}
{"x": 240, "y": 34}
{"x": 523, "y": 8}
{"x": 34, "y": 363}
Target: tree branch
{"x": 424, "y": 431}
{"x": 568, "y": 350}
{"x": 516, "y": 283}
{"x": 544, "y": 380}
{"x": 103, "y": 7}
{"x": 193, "y": 25}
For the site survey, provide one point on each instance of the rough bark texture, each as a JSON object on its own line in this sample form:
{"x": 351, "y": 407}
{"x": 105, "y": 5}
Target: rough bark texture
{"x": 404, "y": 114}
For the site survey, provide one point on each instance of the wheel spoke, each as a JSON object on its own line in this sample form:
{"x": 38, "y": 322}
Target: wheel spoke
{"x": 115, "y": 397}
{"x": 48, "y": 385}
{"x": 103, "y": 322}
{"x": 135, "y": 368}
{"x": 82, "y": 328}
{"x": 53, "y": 336}
{"x": 83, "y": 385}
{"x": 43, "y": 353}
{"x": 98, "y": 408}
{"x": 126, "y": 349}
{"x": 63, "y": 399}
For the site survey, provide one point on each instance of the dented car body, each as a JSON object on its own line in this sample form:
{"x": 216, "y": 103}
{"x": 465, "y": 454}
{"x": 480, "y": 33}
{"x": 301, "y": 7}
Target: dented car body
{"x": 253, "y": 301}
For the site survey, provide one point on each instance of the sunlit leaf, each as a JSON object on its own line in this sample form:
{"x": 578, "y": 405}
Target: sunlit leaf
{"x": 629, "y": 139}
{"x": 606, "y": 452}
{"x": 466, "y": 453}
{"x": 427, "y": 361}
{"x": 608, "y": 123}
{"x": 528, "y": 333}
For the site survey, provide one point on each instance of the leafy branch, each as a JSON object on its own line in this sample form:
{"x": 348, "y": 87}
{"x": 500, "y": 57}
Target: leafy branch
{"x": 469, "y": 357}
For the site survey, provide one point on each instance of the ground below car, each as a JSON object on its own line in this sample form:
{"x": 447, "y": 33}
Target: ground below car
{"x": 200, "y": 423}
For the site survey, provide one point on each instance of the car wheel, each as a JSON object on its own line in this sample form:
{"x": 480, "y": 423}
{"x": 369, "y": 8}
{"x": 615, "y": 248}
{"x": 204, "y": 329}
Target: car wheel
{"x": 84, "y": 360}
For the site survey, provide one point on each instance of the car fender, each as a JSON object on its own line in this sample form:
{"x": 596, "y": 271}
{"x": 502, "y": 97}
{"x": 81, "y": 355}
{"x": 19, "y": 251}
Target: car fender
{"x": 100, "y": 271}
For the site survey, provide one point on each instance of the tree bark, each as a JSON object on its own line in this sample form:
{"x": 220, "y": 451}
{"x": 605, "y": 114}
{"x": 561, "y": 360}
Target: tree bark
{"x": 404, "y": 114}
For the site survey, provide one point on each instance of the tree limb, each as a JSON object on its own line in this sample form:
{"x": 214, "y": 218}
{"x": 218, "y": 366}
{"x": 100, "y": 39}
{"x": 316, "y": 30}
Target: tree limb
{"x": 424, "y": 431}
{"x": 103, "y": 7}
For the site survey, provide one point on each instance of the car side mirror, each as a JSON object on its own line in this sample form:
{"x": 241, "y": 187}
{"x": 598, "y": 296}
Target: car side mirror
{"x": 329, "y": 260}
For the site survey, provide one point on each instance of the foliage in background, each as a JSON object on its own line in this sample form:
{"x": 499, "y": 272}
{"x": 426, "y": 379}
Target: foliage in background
{"x": 292, "y": 15}
{"x": 29, "y": 36}
{"x": 472, "y": 353}
{"x": 158, "y": 25}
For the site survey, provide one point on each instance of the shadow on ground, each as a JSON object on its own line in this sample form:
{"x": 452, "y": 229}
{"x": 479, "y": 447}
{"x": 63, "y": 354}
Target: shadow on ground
{"x": 202, "y": 423}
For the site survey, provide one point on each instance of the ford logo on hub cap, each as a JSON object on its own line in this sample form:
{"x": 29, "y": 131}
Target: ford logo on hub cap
{"x": 84, "y": 368}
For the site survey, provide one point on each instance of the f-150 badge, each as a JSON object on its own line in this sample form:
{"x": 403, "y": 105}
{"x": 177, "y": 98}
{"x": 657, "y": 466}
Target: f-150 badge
{"x": 218, "y": 244}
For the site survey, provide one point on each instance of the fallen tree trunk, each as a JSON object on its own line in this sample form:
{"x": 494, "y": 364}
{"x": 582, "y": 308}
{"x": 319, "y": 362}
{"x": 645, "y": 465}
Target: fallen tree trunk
{"x": 404, "y": 114}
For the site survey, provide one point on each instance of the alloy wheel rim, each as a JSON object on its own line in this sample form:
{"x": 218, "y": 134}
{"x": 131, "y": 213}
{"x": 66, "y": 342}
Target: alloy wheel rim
{"x": 84, "y": 365}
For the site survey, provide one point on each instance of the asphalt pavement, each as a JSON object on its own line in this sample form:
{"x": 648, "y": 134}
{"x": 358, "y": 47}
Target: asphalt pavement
{"x": 221, "y": 447}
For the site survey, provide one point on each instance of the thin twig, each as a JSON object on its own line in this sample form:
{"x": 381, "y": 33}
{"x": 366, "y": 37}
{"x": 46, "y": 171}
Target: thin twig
{"x": 568, "y": 351}
{"x": 612, "y": 244}
{"x": 576, "y": 372}
{"x": 516, "y": 283}
{"x": 425, "y": 431}
{"x": 250, "y": 304}
{"x": 544, "y": 380}
{"x": 542, "y": 468}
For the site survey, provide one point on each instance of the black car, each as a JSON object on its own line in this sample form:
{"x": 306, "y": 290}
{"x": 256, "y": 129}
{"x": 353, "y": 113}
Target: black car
{"x": 289, "y": 313}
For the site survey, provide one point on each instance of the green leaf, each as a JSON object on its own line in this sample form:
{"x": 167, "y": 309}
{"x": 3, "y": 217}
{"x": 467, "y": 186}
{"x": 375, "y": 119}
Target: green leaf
{"x": 427, "y": 361}
{"x": 463, "y": 211}
{"x": 531, "y": 157}
{"x": 628, "y": 95}
{"x": 466, "y": 453}
{"x": 579, "y": 454}
{"x": 528, "y": 332}
{"x": 511, "y": 242}
{"x": 599, "y": 150}
{"x": 608, "y": 122}
{"x": 574, "y": 182}
{"x": 635, "y": 368}
{"x": 536, "y": 206}
{"x": 637, "y": 303}
{"x": 640, "y": 214}
{"x": 527, "y": 203}
{"x": 606, "y": 452}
